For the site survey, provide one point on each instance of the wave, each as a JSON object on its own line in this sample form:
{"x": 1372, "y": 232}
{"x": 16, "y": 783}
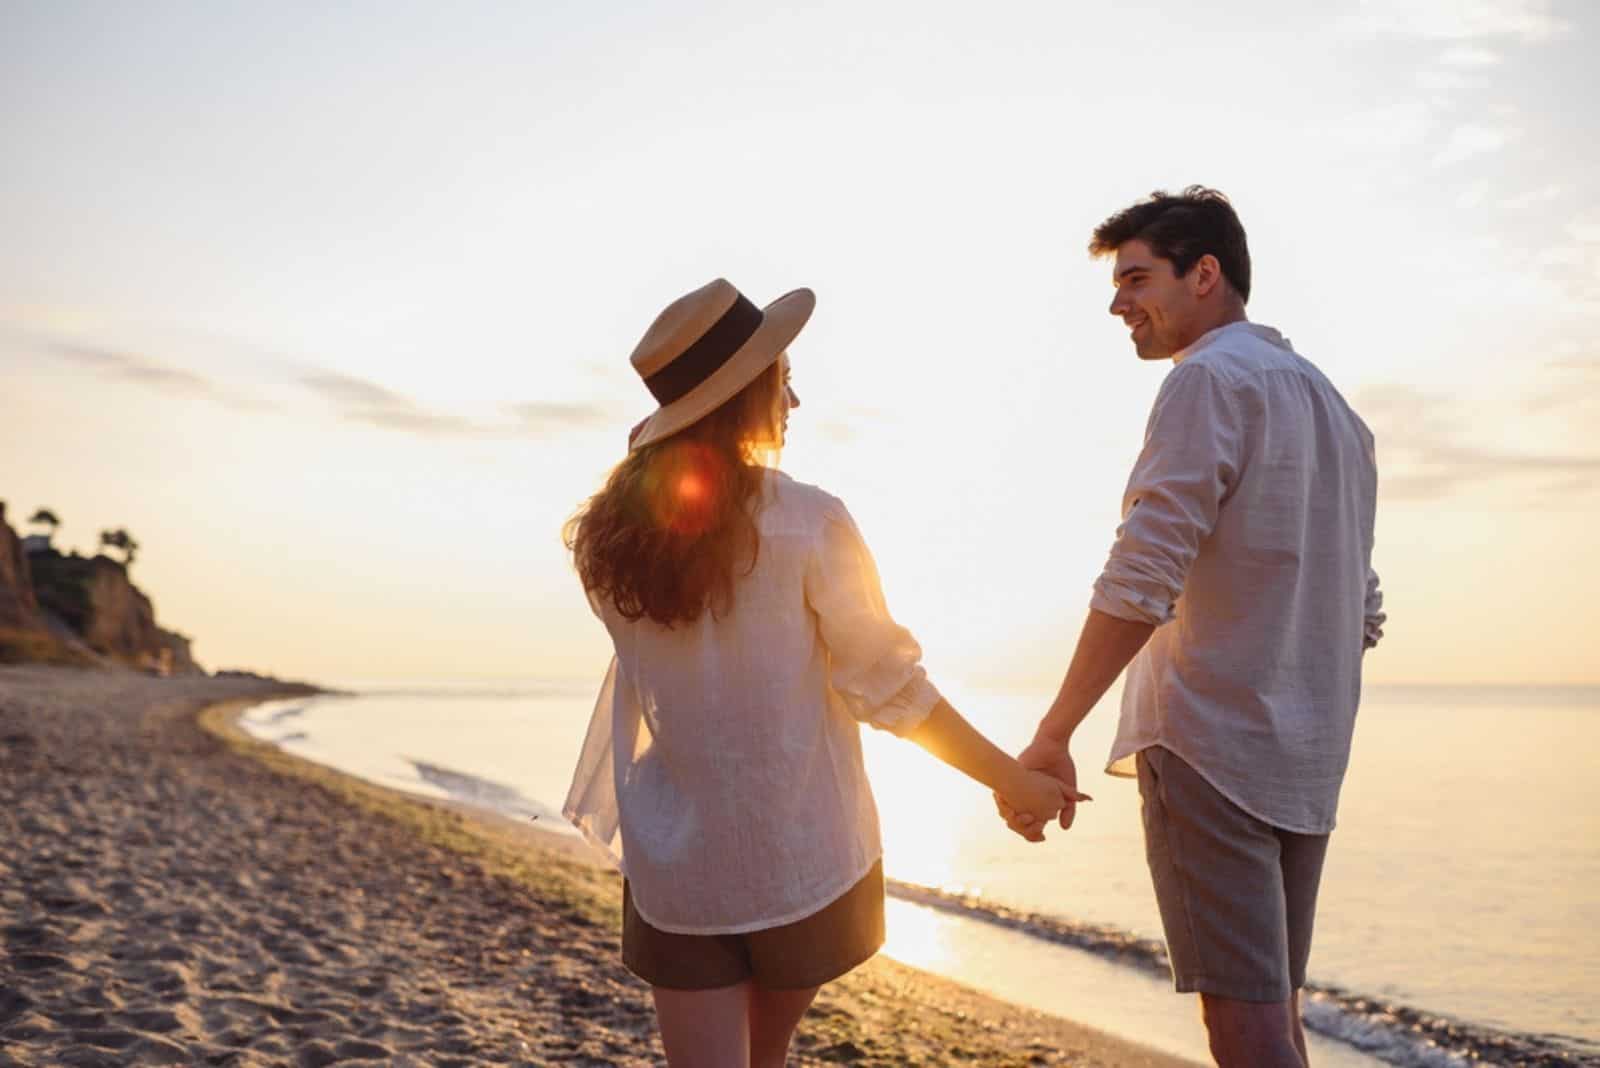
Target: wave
{"x": 470, "y": 692}
{"x": 287, "y": 712}
{"x": 486, "y": 793}
{"x": 1392, "y": 1032}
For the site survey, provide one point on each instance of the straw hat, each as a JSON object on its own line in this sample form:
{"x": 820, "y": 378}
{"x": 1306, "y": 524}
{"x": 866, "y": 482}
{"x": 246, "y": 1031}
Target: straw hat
{"x": 707, "y": 346}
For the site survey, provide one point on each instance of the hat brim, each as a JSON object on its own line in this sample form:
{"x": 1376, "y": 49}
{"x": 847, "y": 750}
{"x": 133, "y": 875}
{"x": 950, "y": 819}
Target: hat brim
{"x": 781, "y": 323}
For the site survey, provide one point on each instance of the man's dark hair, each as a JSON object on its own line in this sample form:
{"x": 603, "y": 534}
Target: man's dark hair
{"x": 1182, "y": 227}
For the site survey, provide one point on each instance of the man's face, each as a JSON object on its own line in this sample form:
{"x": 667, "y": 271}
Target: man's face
{"x": 1158, "y": 306}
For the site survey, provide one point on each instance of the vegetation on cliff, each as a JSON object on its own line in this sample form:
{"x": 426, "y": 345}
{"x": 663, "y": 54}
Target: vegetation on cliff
{"x": 72, "y": 609}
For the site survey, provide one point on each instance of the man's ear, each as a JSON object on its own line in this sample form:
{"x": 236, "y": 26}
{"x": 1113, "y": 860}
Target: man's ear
{"x": 1205, "y": 275}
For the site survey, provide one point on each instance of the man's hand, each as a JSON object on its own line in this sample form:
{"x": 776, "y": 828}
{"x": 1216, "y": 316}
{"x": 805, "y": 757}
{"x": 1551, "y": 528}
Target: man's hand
{"x": 1052, "y": 758}
{"x": 1034, "y": 798}
{"x": 1104, "y": 648}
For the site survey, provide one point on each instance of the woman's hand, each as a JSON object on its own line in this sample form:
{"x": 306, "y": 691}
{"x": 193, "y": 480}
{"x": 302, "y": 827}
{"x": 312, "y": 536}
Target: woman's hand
{"x": 1034, "y": 799}
{"x": 1052, "y": 758}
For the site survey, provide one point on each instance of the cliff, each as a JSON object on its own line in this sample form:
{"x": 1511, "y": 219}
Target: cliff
{"x": 19, "y": 609}
{"x": 80, "y": 609}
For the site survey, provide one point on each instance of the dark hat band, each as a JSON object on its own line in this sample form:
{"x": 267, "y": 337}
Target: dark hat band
{"x": 701, "y": 360}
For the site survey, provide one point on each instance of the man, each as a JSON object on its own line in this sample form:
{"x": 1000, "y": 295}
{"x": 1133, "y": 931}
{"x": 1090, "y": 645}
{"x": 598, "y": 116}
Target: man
{"x": 1240, "y": 587}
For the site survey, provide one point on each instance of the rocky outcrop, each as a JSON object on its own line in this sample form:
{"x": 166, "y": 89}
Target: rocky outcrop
{"x": 178, "y": 659}
{"x": 79, "y": 609}
{"x": 26, "y": 633}
{"x": 94, "y": 597}
{"x": 19, "y": 609}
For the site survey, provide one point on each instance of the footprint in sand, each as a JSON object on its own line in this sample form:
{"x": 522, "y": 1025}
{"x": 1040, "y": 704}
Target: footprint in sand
{"x": 35, "y": 963}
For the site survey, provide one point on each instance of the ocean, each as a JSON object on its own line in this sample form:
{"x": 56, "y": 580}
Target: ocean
{"x": 1459, "y": 920}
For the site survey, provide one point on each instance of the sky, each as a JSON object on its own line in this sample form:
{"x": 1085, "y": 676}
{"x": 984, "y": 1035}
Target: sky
{"x": 331, "y": 305}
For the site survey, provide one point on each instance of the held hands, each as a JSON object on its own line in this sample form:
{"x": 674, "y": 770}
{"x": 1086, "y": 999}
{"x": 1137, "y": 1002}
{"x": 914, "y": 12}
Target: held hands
{"x": 1050, "y": 771}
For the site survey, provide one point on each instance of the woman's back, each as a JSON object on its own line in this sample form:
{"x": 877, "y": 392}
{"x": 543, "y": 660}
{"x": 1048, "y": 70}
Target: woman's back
{"x": 723, "y": 761}
{"x": 742, "y": 794}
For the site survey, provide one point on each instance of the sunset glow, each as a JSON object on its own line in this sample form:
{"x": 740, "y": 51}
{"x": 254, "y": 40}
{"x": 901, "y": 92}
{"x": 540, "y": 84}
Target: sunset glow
{"x": 342, "y": 339}
{"x": 338, "y": 337}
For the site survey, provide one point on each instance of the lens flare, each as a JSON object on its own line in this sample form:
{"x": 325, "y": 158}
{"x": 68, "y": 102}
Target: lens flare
{"x": 686, "y": 494}
{"x": 692, "y": 488}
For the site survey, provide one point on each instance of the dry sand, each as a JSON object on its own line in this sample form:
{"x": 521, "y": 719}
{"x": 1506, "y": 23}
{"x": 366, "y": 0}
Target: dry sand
{"x": 172, "y": 892}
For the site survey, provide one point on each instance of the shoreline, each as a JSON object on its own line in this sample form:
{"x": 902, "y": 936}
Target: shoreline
{"x": 184, "y": 893}
{"x": 1109, "y": 975}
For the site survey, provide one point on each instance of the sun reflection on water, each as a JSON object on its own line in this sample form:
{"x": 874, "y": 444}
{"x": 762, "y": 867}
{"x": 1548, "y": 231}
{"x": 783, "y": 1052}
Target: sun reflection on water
{"x": 918, "y": 936}
{"x": 923, "y": 808}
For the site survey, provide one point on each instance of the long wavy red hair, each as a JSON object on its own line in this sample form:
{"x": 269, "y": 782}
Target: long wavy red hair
{"x": 675, "y": 524}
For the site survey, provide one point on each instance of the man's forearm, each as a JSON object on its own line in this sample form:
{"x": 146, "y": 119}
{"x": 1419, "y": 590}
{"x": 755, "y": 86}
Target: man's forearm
{"x": 1105, "y": 647}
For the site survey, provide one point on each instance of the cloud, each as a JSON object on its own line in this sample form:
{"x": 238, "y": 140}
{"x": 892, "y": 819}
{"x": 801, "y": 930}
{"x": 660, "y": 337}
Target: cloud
{"x": 1469, "y": 141}
{"x": 1532, "y": 197}
{"x": 541, "y": 415}
{"x": 1526, "y": 21}
{"x": 1575, "y": 386}
{"x": 1570, "y": 257}
{"x": 117, "y": 365}
{"x": 1571, "y": 394}
{"x": 414, "y": 421}
{"x": 1448, "y": 80}
{"x": 1400, "y": 125}
{"x": 352, "y": 399}
{"x": 344, "y": 390}
{"x": 1437, "y": 473}
{"x": 1575, "y": 267}
{"x": 137, "y": 369}
{"x": 1416, "y": 487}
{"x": 1470, "y": 56}
{"x": 608, "y": 371}
{"x": 1422, "y": 456}
{"x": 358, "y": 400}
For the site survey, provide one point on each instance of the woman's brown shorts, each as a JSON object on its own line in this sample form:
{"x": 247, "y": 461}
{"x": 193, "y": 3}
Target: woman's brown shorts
{"x": 806, "y": 953}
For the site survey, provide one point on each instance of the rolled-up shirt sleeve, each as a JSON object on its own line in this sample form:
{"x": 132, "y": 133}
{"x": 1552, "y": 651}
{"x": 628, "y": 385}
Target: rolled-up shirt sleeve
{"x": 1189, "y": 463}
{"x": 1372, "y": 626}
{"x": 874, "y": 663}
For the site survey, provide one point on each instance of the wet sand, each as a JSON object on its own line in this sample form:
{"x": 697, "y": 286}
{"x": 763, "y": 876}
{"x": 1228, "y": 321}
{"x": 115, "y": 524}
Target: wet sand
{"x": 174, "y": 892}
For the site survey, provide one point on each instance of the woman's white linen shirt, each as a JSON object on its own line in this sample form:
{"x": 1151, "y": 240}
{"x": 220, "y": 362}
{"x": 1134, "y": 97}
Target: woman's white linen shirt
{"x": 723, "y": 763}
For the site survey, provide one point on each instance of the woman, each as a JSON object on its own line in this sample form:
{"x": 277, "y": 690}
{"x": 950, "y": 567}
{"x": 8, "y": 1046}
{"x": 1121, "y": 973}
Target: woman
{"x": 723, "y": 765}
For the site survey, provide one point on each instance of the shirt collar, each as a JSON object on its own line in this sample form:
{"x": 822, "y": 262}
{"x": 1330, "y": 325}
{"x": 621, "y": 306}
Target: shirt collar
{"x": 1265, "y": 333}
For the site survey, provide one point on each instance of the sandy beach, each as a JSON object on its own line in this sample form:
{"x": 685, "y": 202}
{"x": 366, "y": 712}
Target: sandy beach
{"x": 173, "y": 892}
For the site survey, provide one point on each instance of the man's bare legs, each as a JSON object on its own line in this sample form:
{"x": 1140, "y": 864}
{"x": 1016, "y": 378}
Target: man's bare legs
{"x": 1254, "y": 1034}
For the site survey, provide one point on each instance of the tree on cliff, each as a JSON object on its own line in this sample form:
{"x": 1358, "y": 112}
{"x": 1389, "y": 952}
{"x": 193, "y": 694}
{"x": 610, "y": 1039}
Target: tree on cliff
{"x": 121, "y": 539}
{"x": 44, "y": 517}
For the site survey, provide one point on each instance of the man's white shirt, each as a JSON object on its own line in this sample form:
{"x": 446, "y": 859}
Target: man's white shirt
{"x": 1247, "y": 538}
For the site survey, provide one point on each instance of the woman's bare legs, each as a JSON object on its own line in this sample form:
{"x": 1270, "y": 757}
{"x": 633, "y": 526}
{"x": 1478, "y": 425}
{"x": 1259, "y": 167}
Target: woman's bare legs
{"x": 743, "y": 1026}
{"x": 774, "y": 1014}
{"x": 705, "y": 1028}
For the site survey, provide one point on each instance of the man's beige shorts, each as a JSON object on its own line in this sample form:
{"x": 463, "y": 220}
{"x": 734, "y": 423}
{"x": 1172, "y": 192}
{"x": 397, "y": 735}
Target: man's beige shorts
{"x": 1237, "y": 895}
